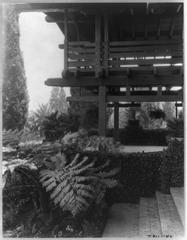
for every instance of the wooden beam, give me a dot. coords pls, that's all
(50, 19)
(146, 42)
(83, 99)
(116, 121)
(124, 105)
(131, 98)
(102, 110)
(136, 81)
(146, 98)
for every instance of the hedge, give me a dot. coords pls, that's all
(139, 136)
(139, 177)
(172, 166)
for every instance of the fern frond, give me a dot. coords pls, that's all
(65, 199)
(80, 179)
(51, 186)
(62, 194)
(80, 164)
(73, 163)
(47, 182)
(58, 189)
(44, 174)
(111, 173)
(82, 201)
(82, 170)
(86, 187)
(106, 164)
(84, 193)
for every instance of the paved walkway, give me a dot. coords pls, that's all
(122, 221)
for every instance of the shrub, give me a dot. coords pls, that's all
(172, 166)
(157, 114)
(56, 126)
(22, 192)
(176, 127)
(149, 137)
(14, 138)
(82, 141)
(28, 209)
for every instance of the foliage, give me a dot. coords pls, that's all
(151, 116)
(39, 116)
(55, 126)
(15, 137)
(172, 165)
(36, 215)
(169, 110)
(21, 193)
(57, 101)
(157, 114)
(15, 95)
(176, 127)
(75, 186)
(11, 137)
(81, 141)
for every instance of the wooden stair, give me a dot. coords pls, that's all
(162, 216)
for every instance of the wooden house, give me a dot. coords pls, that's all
(126, 53)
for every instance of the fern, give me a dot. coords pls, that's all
(75, 186)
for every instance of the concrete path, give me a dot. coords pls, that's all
(123, 221)
(178, 198)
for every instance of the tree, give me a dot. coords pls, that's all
(15, 95)
(58, 101)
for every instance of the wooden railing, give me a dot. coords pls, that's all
(118, 56)
(81, 56)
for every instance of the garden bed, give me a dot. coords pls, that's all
(141, 173)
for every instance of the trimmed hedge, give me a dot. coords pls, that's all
(139, 177)
(139, 136)
(172, 166)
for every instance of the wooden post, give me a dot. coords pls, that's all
(102, 110)
(159, 90)
(66, 40)
(176, 110)
(116, 121)
(106, 44)
(97, 44)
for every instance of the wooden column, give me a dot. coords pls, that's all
(66, 40)
(106, 44)
(102, 110)
(97, 44)
(176, 110)
(116, 121)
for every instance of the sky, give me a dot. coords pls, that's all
(43, 59)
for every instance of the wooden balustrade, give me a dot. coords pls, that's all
(116, 56)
